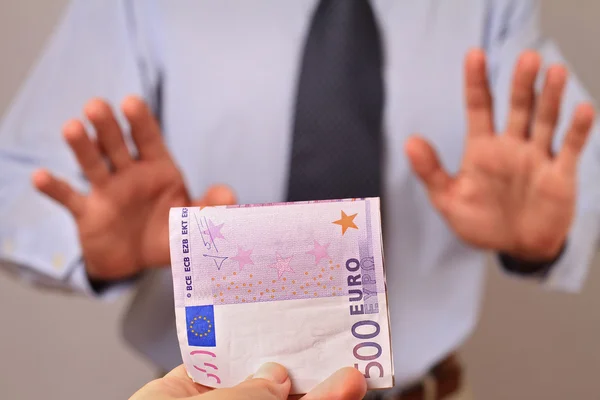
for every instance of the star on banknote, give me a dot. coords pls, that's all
(347, 221)
(243, 257)
(282, 265)
(319, 252)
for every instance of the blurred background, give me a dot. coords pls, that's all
(530, 343)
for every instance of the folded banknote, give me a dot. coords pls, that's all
(301, 284)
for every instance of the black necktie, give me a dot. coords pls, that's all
(337, 137)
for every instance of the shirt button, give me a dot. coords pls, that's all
(58, 261)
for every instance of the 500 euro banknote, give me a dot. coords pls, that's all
(301, 284)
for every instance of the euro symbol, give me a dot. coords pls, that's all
(206, 364)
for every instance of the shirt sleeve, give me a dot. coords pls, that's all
(97, 50)
(514, 26)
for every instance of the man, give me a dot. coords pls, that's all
(305, 100)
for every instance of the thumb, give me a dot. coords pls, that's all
(216, 195)
(345, 384)
(426, 164)
(270, 382)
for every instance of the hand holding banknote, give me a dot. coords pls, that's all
(270, 382)
(127, 208)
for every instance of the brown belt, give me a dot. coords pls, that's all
(443, 380)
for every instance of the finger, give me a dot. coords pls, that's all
(177, 372)
(576, 137)
(220, 195)
(180, 376)
(548, 108)
(144, 129)
(174, 385)
(270, 382)
(477, 93)
(59, 190)
(87, 154)
(216, 195)
(425, 163)
(345, 384)
(108, 133)
(523, 94)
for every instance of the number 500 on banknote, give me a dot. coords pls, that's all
(301, 284)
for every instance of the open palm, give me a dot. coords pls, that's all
(123, 220)
(511, 194)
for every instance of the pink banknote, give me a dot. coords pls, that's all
(301, 284)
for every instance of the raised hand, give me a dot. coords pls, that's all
(123, 220)
(512, 193)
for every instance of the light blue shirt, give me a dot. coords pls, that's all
(227, 72)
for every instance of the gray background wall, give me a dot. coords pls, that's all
(530, 344)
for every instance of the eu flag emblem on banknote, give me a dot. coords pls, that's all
(200, 326)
